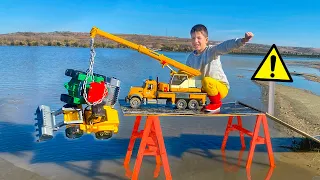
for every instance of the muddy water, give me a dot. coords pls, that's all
(35, 76)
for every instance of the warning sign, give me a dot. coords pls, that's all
(272, 68)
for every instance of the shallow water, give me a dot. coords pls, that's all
(32, 76)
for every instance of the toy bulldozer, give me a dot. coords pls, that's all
(101, 118)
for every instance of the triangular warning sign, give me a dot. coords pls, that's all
(272, 68)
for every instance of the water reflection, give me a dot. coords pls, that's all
(233, 168)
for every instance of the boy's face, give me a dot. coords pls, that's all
(199, 41)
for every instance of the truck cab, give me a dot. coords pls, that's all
(149, 89)
(138, 94)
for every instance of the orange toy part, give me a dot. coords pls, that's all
(96, 91)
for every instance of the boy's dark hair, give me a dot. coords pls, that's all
(199, 28)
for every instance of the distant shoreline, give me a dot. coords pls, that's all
(163, 43)
(282, 55)
(178, 50)
(310, 77)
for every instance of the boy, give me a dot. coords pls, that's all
(206, 58)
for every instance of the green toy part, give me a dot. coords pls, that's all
(74, 86)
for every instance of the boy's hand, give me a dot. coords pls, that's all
(247, 37)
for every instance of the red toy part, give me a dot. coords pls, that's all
(96, 91)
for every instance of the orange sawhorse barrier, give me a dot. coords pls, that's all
(152, 143)
(256, 139)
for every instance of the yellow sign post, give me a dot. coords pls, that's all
(272, 69)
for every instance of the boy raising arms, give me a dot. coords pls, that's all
(206, 58)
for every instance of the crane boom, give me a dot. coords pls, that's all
(165, 61)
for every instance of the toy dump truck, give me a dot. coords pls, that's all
(183, 91)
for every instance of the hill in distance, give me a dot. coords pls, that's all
(164, 43)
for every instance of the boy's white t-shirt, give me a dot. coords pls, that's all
(208, 62)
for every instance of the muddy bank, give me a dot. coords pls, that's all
(310, 77)
(9, 171)
(312, 64)
(301, 109)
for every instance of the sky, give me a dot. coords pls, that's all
(282, 22)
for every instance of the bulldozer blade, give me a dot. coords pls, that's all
(45, 123)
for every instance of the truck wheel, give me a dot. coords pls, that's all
(135, 102)
(181, 104)
(73, 132)
(103, 135)
(193, 104)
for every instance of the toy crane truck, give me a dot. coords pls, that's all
(183, 90)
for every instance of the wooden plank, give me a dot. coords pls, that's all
(227, 109)
(314, 138)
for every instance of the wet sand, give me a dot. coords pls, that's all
(312, 64)
(11, 172)
(301, 109)
(310, 77)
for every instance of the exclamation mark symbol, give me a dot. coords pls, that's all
(273, 64)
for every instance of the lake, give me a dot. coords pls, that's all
(32, 76)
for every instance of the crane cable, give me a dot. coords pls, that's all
(90, 76)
